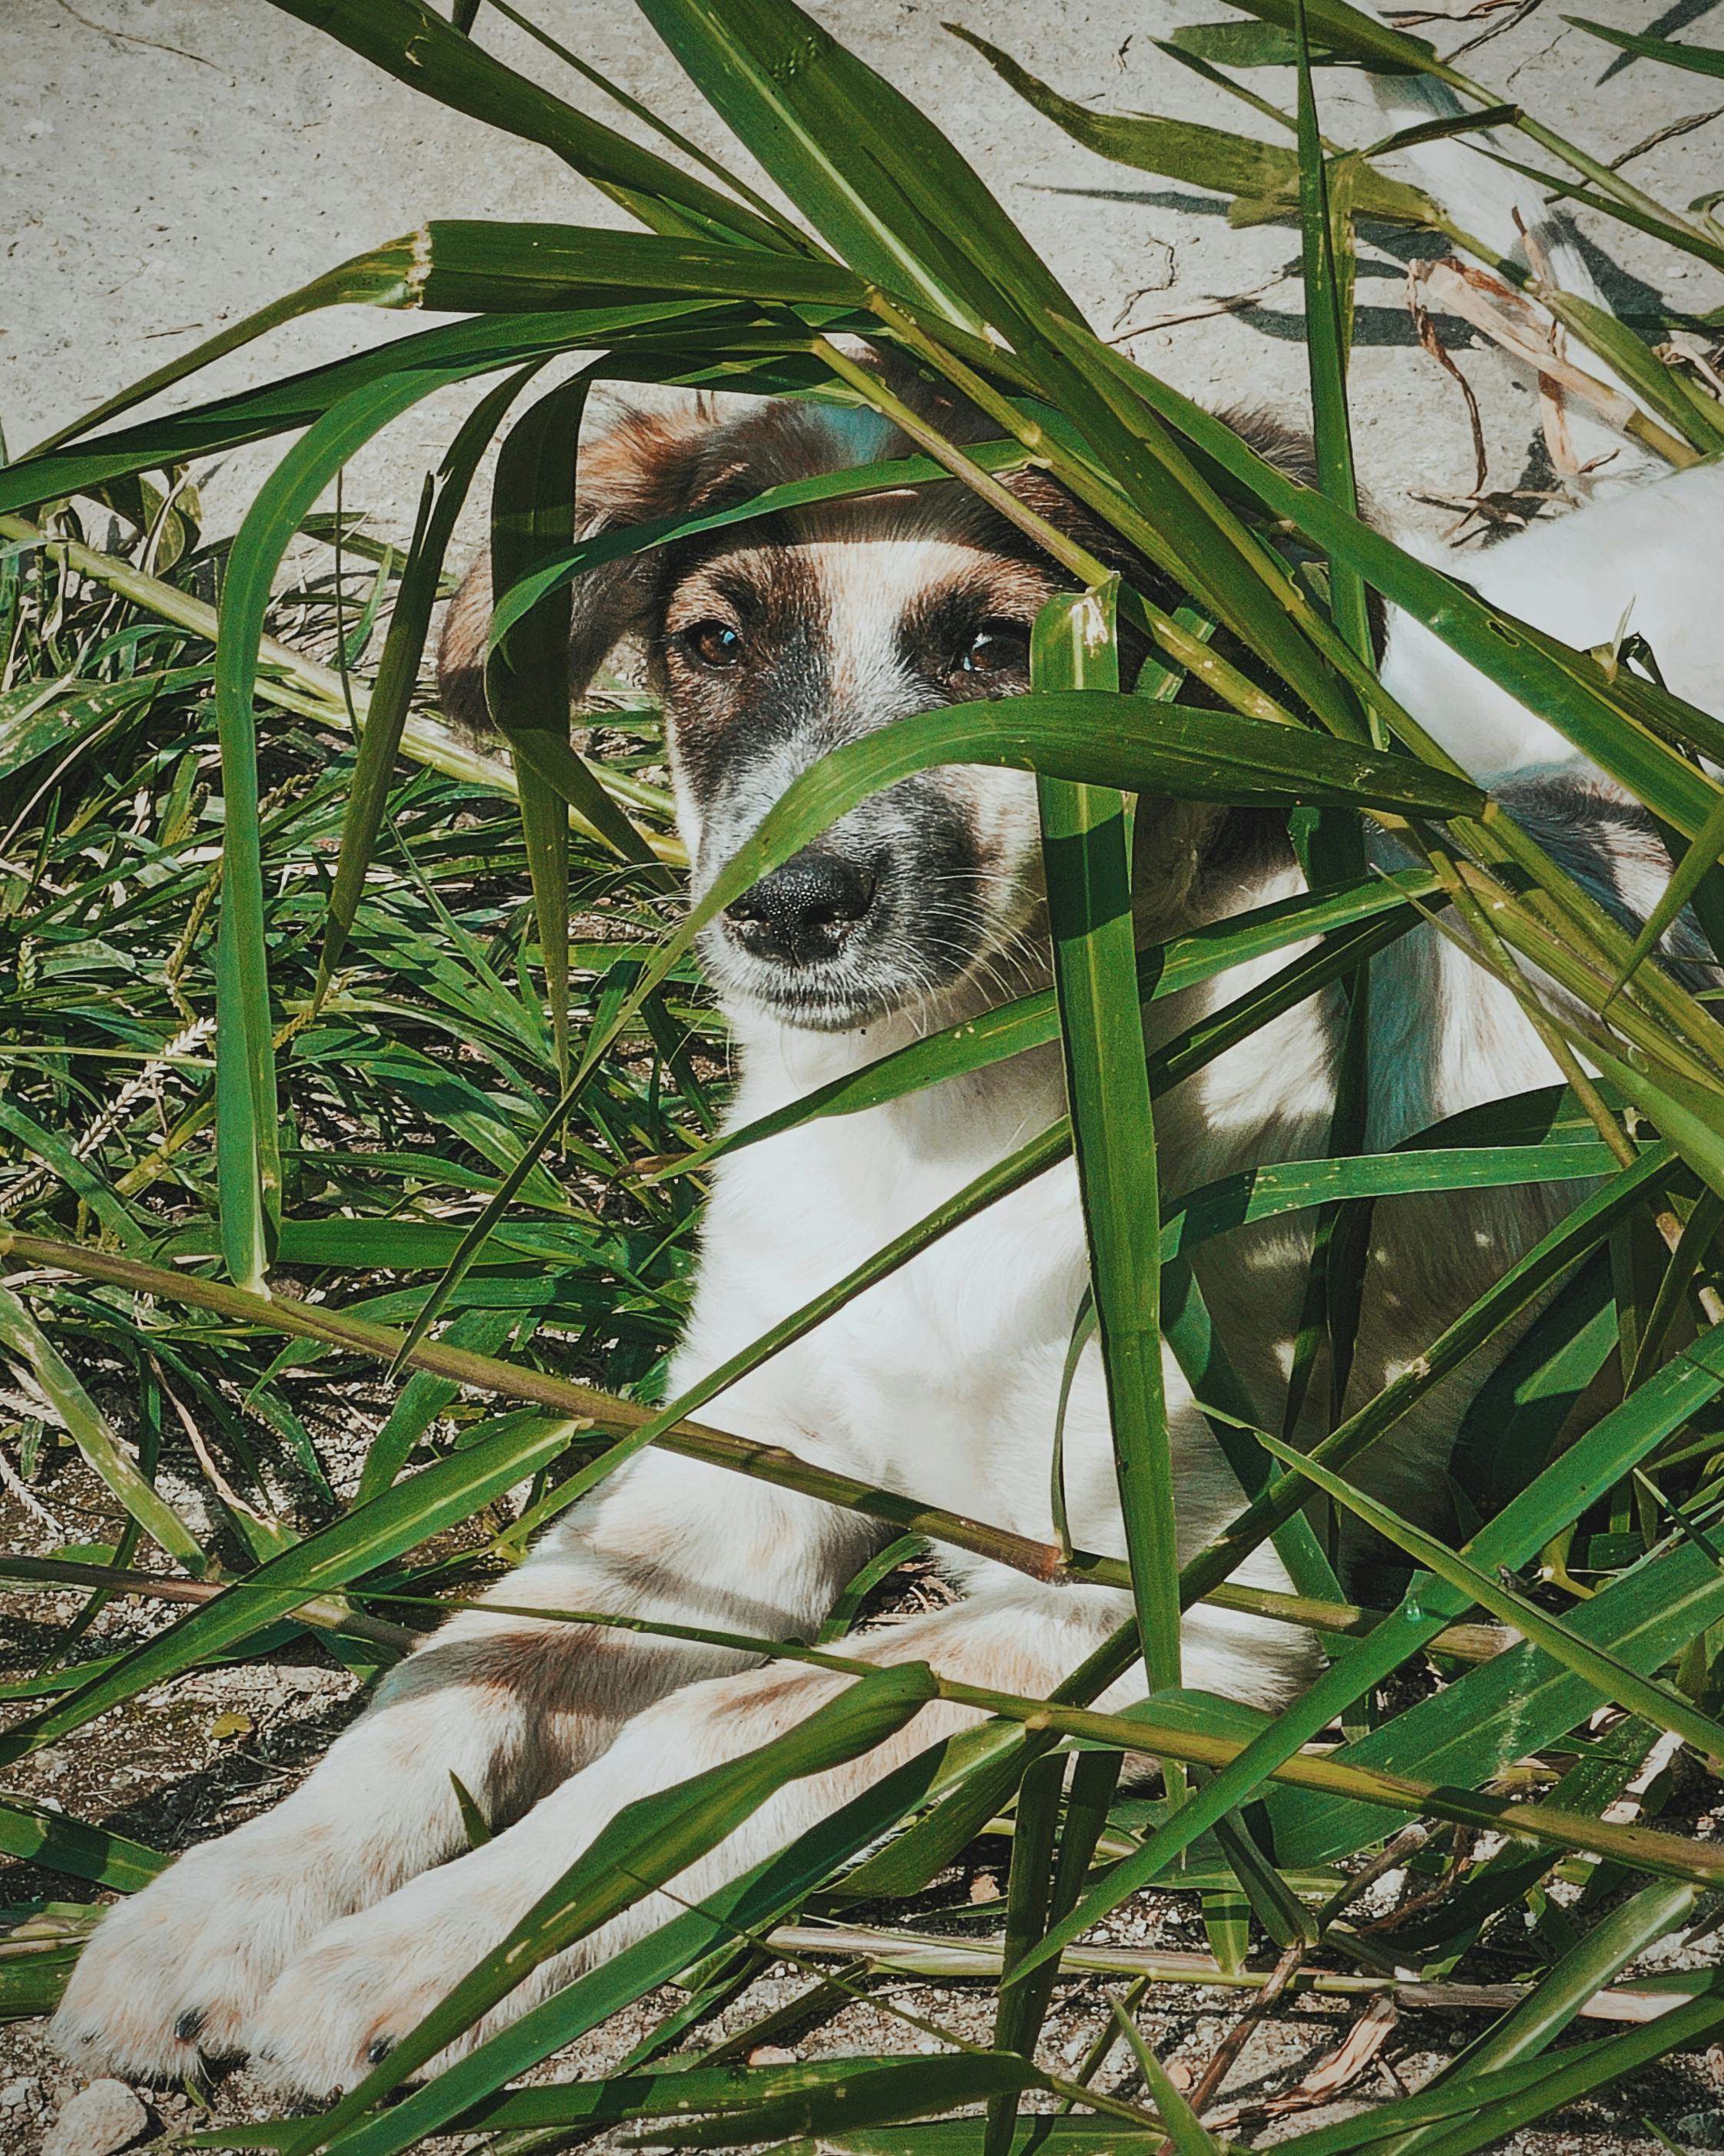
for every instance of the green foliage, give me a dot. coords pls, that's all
(354, 1072)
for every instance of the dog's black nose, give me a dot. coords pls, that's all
(805, 912)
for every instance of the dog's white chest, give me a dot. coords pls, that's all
(953, 1355)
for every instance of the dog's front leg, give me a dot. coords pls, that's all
(369, 1979)
(507, 1705)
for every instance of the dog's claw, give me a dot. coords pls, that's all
(190, 2024)
(379, 2049)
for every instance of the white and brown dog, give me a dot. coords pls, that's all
(314, 1937)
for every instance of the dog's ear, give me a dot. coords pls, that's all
(645, 465)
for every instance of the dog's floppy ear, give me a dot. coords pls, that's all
(643, 466)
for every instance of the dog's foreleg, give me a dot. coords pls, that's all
(369, 1979)
(507, 1705)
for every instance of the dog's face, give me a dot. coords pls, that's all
(773, 642)
(779, 647)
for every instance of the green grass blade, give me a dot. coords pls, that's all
(1588, 1968)
(1211, 157)
(398, 667)
(1086, 862)
(1029, 1884)
(247, 1111)
(1022, 2011)
(1328, 315)
(1586, 2067)
(1599, 1668)
(1186, 2133)
(487, 345)
(745, 1907)
(33, 1835)
(1567, 687)
(1518, 1703)
(1701, 855)
(867, 167)
(527, 680)
(877, 2096)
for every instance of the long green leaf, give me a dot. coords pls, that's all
(1205, 156)
(744, 1906)
(33, 1835)
(1086, 859)
(867, 167)
(398, 667)
(1599, 1668)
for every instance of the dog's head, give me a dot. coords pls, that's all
(774, 641)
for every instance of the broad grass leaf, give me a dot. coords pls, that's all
(398, 666)
(1530, 2091)
(726, 2091)
(1568, 688)
(868, 169)
(1516, 1704)
(453, 352)
(743, 1907)
(880, 2096)
(1626, 1687)
(1261, 173)
(1588, 1968)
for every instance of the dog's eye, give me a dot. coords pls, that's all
(712, 643)
(998, 647)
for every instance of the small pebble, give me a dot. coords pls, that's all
(984, 1888)
(97, 2121)
(770, 2055)
(13, 2095)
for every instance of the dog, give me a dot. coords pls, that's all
(314, 1937)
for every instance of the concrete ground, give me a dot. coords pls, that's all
(175, 164)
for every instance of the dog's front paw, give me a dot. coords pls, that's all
(171, 1976)
(343, 2005)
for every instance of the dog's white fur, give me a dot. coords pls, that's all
(333, 1924)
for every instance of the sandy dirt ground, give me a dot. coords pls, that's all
(170, 165)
